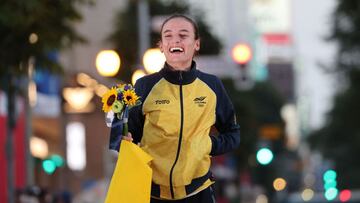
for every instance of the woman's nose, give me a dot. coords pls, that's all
(177, 39)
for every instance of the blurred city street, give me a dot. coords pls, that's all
(290, 67)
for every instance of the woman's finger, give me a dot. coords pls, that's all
(128, 137)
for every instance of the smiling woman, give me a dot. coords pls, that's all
(179, 106)
(179, 41)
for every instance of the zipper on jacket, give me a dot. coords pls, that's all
(180, 136)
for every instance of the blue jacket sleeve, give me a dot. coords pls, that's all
(136, 117)
(228, 138)
(115, 134)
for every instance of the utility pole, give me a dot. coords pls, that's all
(28, 124)
(143, 16)
(10, 137)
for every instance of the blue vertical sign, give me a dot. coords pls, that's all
(48, 87)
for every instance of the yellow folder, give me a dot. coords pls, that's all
(131, 181)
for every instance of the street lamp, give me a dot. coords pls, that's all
(78, 99)
(108, 63)
(39, 147)
(153, 60)
(87, 81)
(136, 75)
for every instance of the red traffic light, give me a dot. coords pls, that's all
(242, 53)
(345, 195)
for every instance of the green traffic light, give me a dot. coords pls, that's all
(330, 184)
(264, 156)
(49, 166)
(331, 194)
(329, 175)
(57, 159)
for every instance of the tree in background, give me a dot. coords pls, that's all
(31, 29)
(339, 139)
(36, 28)
(125, 38)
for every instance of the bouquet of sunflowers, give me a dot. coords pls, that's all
(116, 103)
(132, 161)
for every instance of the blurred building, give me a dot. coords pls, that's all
(19, 146)
(97, 23)
(77, 134)
(89, 180)
(290, 51)
(281, 34)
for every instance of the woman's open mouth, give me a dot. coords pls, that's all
(176, 50)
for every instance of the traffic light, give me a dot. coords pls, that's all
(330, 184)
(50, 164)
(345, 195)
(242, 54)
(264, 156)
(57, 159)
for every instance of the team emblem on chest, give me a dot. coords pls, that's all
(200, 101)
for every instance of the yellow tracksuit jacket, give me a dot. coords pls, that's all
(173, 126)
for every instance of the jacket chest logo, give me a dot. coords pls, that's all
(162, 101)
(200, 101)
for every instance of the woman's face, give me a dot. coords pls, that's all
(178, 43)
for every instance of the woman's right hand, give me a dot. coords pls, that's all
(128, 137)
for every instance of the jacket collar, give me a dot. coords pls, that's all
(179, 77)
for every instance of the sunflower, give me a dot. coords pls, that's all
(108, 99)
(130, 98)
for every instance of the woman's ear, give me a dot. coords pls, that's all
(197, 45)
(160, 46)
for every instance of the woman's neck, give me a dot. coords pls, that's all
(180, 67)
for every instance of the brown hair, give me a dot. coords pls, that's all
(193, 23)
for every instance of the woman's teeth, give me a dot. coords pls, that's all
(176, 49)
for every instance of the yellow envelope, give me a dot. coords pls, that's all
(131, 181)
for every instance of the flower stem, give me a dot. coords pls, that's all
(125, 120)
(125, 129)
